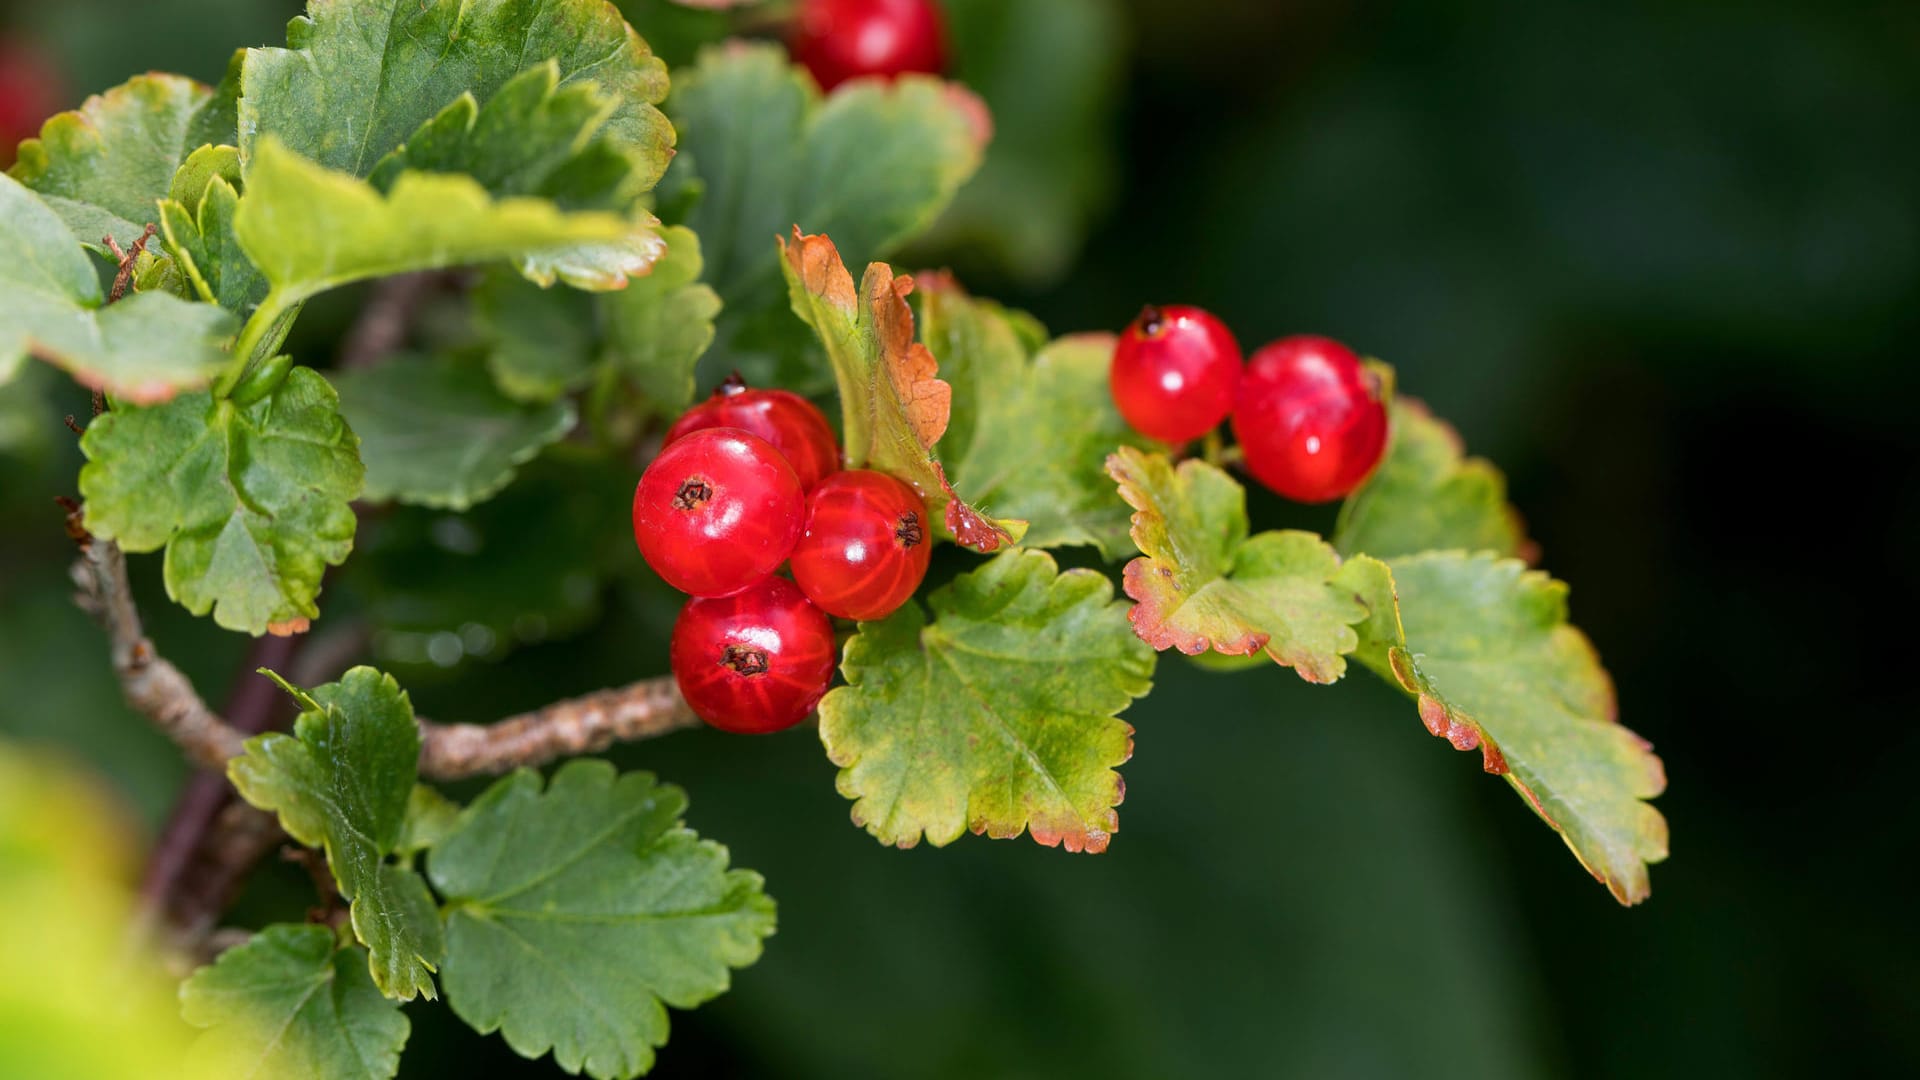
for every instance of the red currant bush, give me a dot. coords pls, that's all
(866, 545)
(717, 511)
(1309, 418)
(790, 422)
(755, 662)
(1174, 372)
(839, 40)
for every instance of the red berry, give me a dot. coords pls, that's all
(790, 422)
(1309, 418)
(30, 91)
(717, 511)
(866, 545)
(754, 662)
(1174, 372)
(839, 40)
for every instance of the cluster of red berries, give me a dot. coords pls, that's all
(748, 480)
(839, 40)
(1306, 412)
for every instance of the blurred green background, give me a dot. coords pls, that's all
(1661, 261)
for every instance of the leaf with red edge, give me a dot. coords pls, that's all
(998, 715)
(1204, 584)
(1483, 645)
(894, 405)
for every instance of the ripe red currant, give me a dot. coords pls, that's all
(1174, 372)
(754, 662)
(1309, 418)
(865, 547)
(717, 511)
(790, 422)
(839, 40)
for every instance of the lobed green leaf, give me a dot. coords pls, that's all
(435, 431)
(871, 165)
(343, 781)
(143, 349)
(1202, 583)
(252, 502)
(358, 78)
(310, 229)
(1427, 495)
(1484, 646)
(998, 715)
(287, 1003)
(578, 913)
(104, 166)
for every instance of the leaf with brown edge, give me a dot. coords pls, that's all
(998, 715)
(1203, 584)
(894, 405)
(1427, 495)
(1484, 646)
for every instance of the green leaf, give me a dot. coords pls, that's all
(998, 716)
(435, 431)
(103, 166)
(1484, 646)
(1202, 583)
(871, 165)
(534, 138)
(526, 566)
(894, 406)
(1428, 495)
(541, 343)
(200, 235)
(576, 915)
(310, 229)
(545, 343)
(660, 324)
(1007, 444)
(430, 817)
(287, 1003)
(342, 781)
(251, 502)
(359, 77)
(143, 349)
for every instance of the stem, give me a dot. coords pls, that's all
(1212, 448)
(252, 706)
(259, 329)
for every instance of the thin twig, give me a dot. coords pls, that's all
(159, 691)
(152, 685)
(582, 725)
(123, 276)
(253, 705)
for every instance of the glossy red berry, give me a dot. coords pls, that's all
(790, 422)
(1174, 372)
(866, 545)
(1309, 418)
(839, 40)
(717, 511)
(754, 662)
